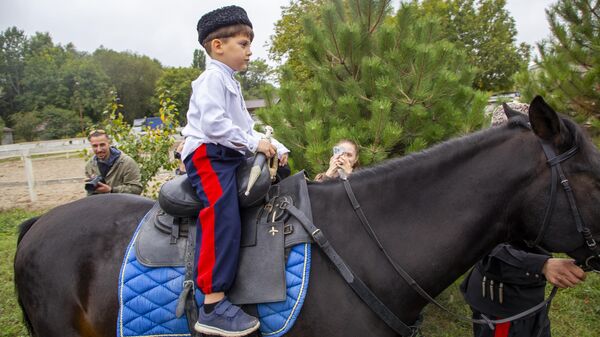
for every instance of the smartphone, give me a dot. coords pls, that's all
(338, 150)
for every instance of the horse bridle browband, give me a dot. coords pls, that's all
(559, 175)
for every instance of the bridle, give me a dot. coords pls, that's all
(558, 175)
(385, 314)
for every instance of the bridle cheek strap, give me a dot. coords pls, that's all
(558, 174)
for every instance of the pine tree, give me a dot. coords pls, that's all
(567, 72)
(390, 83)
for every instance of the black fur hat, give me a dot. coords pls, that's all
(219, 18)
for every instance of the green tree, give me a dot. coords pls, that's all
(254, 80)
(151, 149)
(12, 64)
(88, 86)
(567, 72)
(62, 77)
(134, 78)
(286, 45)
(199, 61)
(43, 75)
(393, 85)
(486, 32)
(178, 83)
(61, 123)
(26, 125)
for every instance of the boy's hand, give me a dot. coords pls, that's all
(284, 159)
(264, 146)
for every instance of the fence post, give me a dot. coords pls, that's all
(29, 175)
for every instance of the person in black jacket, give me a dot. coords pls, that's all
(510, 280)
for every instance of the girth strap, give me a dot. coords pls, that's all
(187, 301)
(353, 281)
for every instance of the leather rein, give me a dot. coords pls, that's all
(384, 313)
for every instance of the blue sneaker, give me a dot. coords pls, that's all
(226, 320)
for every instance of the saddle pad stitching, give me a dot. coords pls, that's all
(302, 288)
(128, 260)
(269, 311)
(297, 301)
(125, 261)
(131, 324)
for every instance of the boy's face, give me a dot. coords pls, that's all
(234, 51)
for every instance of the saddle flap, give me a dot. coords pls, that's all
(295, 187)
(261, 271)
(154, 247)
(249, 226)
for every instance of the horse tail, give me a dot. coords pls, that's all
(23, 228)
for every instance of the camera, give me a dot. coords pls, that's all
(93, 183)
(338, 150)
(176, 154)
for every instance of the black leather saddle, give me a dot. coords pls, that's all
(267, 230)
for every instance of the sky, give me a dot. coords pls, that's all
(166, 30)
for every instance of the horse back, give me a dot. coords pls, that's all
(67, 252)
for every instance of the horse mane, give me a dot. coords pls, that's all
(442, 152)
(581, 139)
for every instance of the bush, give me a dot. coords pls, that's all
(26, 125)
(152, 147)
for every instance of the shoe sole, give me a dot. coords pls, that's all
(211, 330)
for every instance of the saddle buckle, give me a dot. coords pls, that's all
(288, 229)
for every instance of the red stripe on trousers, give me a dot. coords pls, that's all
(502, 329)
(212, 189)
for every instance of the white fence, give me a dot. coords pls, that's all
(26, 150)
(43, 147)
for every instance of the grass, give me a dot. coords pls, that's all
(575, 312)
(10, 314)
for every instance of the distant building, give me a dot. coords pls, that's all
(7, 136)
(253, 104)
(141, 123)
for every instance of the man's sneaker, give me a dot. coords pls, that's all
(226, 320)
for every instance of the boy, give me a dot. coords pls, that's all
(218, 135)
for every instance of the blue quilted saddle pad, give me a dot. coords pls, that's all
(148, 297)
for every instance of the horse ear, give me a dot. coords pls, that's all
(509, 112)
(545, 121)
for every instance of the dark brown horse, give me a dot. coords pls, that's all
(436, 212)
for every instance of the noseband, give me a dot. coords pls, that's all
(559, 175)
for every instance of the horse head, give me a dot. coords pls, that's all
(564, 190)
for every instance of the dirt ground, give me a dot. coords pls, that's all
(58, 180)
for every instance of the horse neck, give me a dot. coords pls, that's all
(440, 211)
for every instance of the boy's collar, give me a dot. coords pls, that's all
(220, 65)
